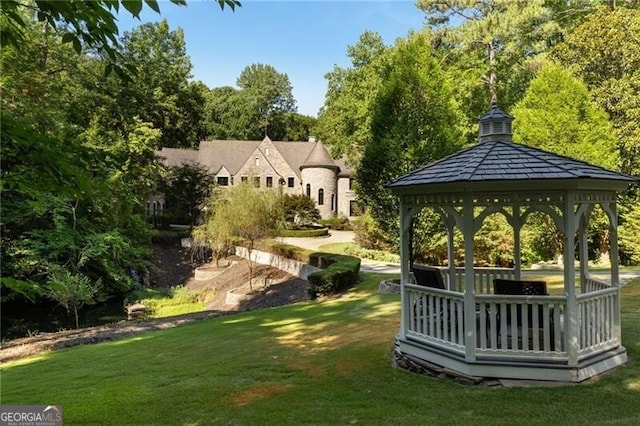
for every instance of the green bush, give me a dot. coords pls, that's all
(338, 274)
(300, 233)
(339, 223)
(168, 236)
(377, 255)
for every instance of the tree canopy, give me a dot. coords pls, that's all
(263, 105)
(415, 121)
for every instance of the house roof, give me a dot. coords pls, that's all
(233, 154)
(319, 157)
(177, 156)
(504, 162)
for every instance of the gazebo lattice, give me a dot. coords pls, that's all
(468, 328)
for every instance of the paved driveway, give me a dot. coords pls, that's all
(340, 237)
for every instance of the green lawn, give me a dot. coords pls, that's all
(322, 362)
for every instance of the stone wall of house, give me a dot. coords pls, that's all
(345, 196)
(267, 162)
(321, 178)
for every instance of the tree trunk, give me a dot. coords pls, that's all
(492, 72)
(75, 311)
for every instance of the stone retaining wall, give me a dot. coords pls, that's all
(291, 266)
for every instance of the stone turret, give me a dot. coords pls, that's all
(319, 179)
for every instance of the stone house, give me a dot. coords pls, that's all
(295, 167)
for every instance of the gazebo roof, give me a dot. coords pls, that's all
(511, 164)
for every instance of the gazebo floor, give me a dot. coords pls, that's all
(435, 362)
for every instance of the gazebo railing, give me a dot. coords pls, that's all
(482, 277)
(435, 317)
(590, 285)
(520, 326)
(513, 327)
(597, 316)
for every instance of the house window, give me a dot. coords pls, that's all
(223, 180)
(256, 181)
(266, 150)
(244, 179)
(269, 181)
(333, 202)
(320, 197)
(257, 161)
(290, 182)
(308, 190)
(350, 183)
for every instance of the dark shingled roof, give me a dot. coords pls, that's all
(233, 154)
(496, 113)
(504, 161)
(319, 157)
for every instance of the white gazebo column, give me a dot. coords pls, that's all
(405, 223)
(571, 313)
(468, 231)
(583, 249)
(516, 225)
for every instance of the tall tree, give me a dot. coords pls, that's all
(186, 189)
(557, 114)
(415, 121)
(269, 95)
(159, 92)
(91, 25)
(344, 123)
(605, 53)
(504, 29)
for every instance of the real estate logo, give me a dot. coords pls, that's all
(30, 415)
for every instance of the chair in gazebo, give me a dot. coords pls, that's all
(480, 332)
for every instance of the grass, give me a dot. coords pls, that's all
(173, 301)
(324, 362)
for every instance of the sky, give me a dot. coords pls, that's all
(302, 38)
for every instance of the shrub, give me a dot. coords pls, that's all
(339, 223)
(339, 273)
(299, 209)
(377, 255)
(167, 237)
(300, 233)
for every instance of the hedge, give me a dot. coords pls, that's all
(338, 273)
(300, 233)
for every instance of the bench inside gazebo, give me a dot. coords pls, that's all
(490, 322)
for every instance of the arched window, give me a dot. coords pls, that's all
(320, 196)
(308, 190)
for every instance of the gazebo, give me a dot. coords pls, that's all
(469, 324)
